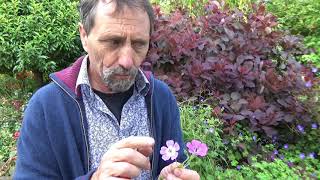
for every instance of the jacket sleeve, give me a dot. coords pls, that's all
(35, 156)
(36, 159)
(87, 176)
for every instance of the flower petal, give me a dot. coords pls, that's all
(196, 143)
(170, 143)
(191, 148)
(163, 150)
(165, 157)
(202, 150)
(176, 146)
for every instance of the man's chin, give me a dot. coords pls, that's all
(118, 88)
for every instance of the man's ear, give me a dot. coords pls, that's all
(83, 37)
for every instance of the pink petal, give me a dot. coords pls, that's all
(203, 150)
(170, 143)
(191, 148)
(176, 146)
(165, 157)
(189, 145)
(196, 143)
(163, 150)
(173, 157)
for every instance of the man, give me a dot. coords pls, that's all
(103, 117)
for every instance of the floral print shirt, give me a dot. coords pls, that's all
(103, 128)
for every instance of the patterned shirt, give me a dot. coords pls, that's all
(103, 127)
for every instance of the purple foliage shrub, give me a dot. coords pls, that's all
(241, 61)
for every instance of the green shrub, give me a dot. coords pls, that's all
(8, 146)
(297, 16)
(194, 7)
(197, 7)
(312, 42)
(301, 18)
(35, 35)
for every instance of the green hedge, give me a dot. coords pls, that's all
(38, 35)
(300, 17)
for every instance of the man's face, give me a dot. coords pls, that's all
(116, 45)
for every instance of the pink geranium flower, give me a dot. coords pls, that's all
(170, 151)
(197, 148)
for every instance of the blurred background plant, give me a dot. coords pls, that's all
(300, 18)
(38, 36)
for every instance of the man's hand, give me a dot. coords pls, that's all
(125, 159)
(174, 172)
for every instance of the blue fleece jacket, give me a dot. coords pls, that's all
(53, 142)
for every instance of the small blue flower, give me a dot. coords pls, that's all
(314, 126)
(302, 156)
(225, 141)
(312, 155)
(300, 128)
(254, 138)
(272, 157)
(211, 130)
(281, 157)
(308, 84)
(290, 164)
(240, 134)
(274, 139)
(314, 69)
(238, 167)
(286, 146)
(275, 152)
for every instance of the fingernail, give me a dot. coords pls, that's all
(177, 172)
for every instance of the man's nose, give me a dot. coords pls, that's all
(126, 58)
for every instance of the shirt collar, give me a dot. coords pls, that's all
(83, 77)
(142, 84)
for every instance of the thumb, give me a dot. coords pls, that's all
(186, 174)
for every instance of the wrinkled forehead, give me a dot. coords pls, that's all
(107, 9)
(131, 19)
(110, 8)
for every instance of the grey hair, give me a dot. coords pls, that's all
(87, 10)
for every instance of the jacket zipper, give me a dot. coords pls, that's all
(82, 123)
(153, 132)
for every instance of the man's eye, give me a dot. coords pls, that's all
(139, 45)
(114, 42)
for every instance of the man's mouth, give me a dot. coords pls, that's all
(122, 76)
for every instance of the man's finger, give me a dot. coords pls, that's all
(169, 170)
(116, 178)
(130, 156)
(186, 174)
(172, 177)
(120, 170)
(147, 151)
(134, 142)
